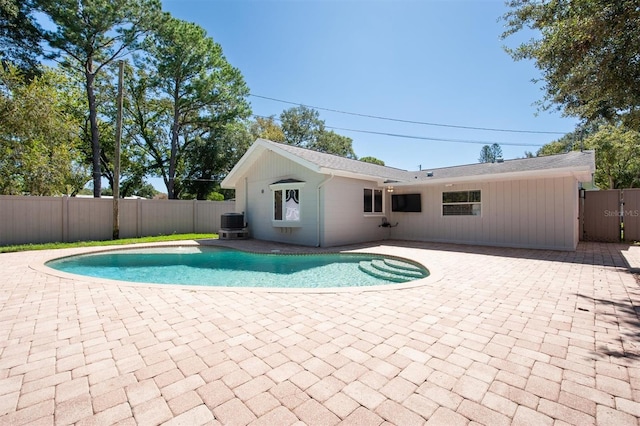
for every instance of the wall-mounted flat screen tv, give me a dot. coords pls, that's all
(406, 203)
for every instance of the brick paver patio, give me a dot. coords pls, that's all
(497, 336)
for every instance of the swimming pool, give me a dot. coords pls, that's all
(223, 267)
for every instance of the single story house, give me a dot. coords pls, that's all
(294, 195)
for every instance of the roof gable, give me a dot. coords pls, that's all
(319, 162)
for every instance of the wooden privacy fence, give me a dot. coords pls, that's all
(25, 220)
(610, 216)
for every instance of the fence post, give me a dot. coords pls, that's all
(138, 218)
(65, 219)
(195, 215)
(581, 194)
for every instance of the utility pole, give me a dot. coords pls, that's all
(116, 158)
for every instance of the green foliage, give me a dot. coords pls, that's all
(215, 196)
(39, 139)
(303, 127)
(617, 157)
(333, 143)
(617, 153)
(185, 96)
(133, 158)
(208, 160)
(267, 128)
(587, 52)
(489, 154)
(90, 34)
(20, 36)
(372, 160)
(571, 141)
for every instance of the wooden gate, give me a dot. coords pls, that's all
(631, 214)
(610, 216)
(600, 215)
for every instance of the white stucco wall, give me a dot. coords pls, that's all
(537, 213)
(344, 219)
(531, 213)
(254, 198)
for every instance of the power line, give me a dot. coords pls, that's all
(426, 138)
(399, 120)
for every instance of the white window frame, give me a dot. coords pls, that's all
(373, 201)
(284, 187)
(475, 207)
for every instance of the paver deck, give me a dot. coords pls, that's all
(495, 336)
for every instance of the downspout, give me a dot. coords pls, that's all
(246, 200)
(318, 207)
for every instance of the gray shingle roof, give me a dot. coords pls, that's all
(578, 160)
(338, 163)
(581, 161)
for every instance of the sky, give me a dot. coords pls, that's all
(438, 62)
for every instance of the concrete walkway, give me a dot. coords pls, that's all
(495, 337)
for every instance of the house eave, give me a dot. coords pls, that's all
(351, 175)
(252, 155)
(582, 174)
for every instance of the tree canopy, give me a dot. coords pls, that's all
(267, 128)
(186, 96)
(490, 153)
(372, 160)
(617, 152)
(90, 34)
(39, 138)
(587, 52)
(20, 36)
(302, 126)
(186, 114)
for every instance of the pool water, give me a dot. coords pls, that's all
(215, 266)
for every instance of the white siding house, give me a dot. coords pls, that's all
(295, 195)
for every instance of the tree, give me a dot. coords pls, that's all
(617, 152)
(617, 157)
(20, 36)
(303, 127)
(39, 138)
(587, 52)
(333, 143)
(571, 141)
(372, 160)
(89, 35)
(489, 154)
(207, 161)
(190, 94)
(267, 128)
(134, 164)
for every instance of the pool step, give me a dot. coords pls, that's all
(398, 267)
(392, 270)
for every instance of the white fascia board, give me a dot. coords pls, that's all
(342, 173)
(582, 174)
(252, 155)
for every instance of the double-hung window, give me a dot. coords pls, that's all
(286, 202)
(373, 203)
(461, 203)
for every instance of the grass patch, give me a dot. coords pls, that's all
(160, 238)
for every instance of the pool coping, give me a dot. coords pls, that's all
(415, 255)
